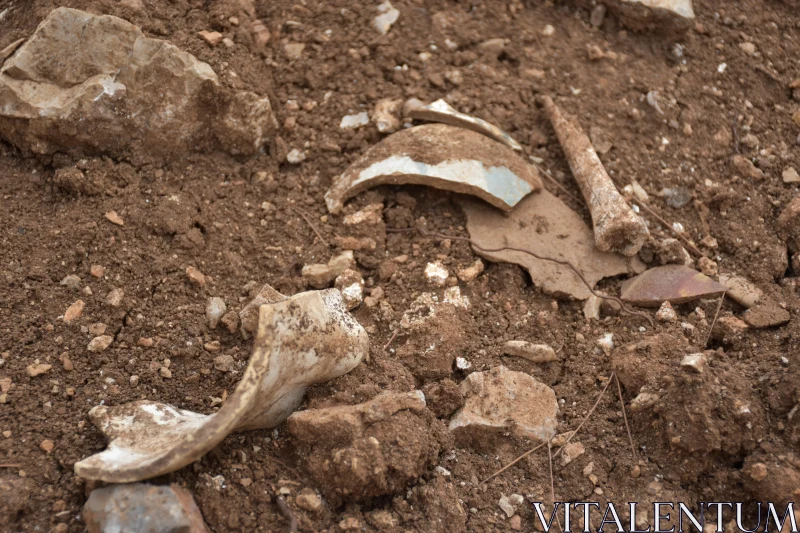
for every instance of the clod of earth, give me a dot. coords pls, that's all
(440, 156)
(500, 402)
(441, 111)
(546, 226)
(142, 507)
(303, 340)
(617, 228)
(370, 449)
(135, 97)
(670, 283)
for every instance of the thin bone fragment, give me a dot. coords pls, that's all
(616, 227)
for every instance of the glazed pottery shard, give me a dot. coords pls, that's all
(444, 157)
(670, 283)
(546, 226)
(303, 340)
(441, 111)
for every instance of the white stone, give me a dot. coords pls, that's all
(388, 15)
(537, 353)
(695, 361)
(215, 308)
(606, 343)
(436, 273)
(666, 313)
(351, 122)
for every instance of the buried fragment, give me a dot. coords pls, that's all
(544, 225)
(303, 340)
(617, 228)
(675, 284)
(441, 111)
(441, 156)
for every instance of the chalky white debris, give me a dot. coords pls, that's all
(306, 339)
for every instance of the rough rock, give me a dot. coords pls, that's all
(74, 311)
(215, 310)
(666, 313)
(436, 274)
(501, 401)
(746, 168)
(537, 353)
(386, 113)
(309, 500)
(367, 450)
(320, 276)
(471, 272)
(135, 97)
(741, 290)
(665, 15)
(114, 298)
(142, 508)
(99, 344)
(351, 284)
(695, 362)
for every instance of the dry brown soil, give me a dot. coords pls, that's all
(206, 212)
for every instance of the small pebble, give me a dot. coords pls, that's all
(98, 344)
(114, 298)
(165, 372)
(71, 282)
(114, 218)
(74, 311)
(790, 175)
(224, 363)
(666, 313)
(211, 37)
(436, 274)
(37, 369)
(308, 500)
(195, 276)
(134, 380)
(97, 271)
(695, 362)
(47, 445)
(145, 342)
(215, 310)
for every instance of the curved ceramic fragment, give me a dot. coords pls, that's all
(441, 156)
(303, 340)
(669, 283)
(441, 111)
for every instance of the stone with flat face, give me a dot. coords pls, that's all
(670, 283)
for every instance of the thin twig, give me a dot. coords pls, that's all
(623, 306)
(625, 416)
(658, 217)
(287, 514)
(512, 463)
(552, 484)
(311, 224)
(735, 133)
(589, 414)
(10, 465)
(711, 330)
(394, 336)
(555, 182)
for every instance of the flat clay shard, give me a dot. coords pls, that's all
(547, 227)
(441, 111)
(441, 156)
(303, 340)
(89, 83)
(675, 284)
